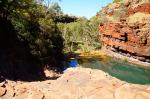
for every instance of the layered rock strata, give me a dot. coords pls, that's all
(128, 36)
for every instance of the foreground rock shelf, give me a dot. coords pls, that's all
(78, 83)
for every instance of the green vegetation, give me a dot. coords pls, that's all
(113, 12)
(115, 1)
(119, 13)
(125, 60)
(133, 1)
(138, 17)
(81, 35)
(29, 38)
(103, 18)
(35, 33)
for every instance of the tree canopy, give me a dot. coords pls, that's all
(33, 32)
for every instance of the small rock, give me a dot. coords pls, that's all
(50, 73)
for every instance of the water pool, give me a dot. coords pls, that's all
(119, 69)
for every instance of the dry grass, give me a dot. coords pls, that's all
(139, 17)
(111, 19)
(92, 54)
(140, 2)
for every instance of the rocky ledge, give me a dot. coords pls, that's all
(76, 83)
(130, 34)
(127, 39)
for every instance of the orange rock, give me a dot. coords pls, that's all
(126, 37)
(144, 8)
(2, 91)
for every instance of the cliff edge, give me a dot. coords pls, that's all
(125, 28)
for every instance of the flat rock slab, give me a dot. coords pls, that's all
(76, 83)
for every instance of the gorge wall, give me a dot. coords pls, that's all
(130, 34)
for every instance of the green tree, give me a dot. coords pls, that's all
(81, 35)
(28, 32)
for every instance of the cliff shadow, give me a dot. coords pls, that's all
(16, 61)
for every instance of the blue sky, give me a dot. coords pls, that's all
(87, 8)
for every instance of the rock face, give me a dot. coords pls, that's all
(144, 8)
(131, 34)
(76, 83)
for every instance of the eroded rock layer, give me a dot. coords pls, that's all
(76, 83)
(144, 8)
(131, 34)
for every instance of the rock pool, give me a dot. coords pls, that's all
(117, 68)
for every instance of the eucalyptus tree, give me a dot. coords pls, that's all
(34, 24)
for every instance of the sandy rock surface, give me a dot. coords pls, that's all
(77, 83)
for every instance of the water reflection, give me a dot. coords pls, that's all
(119, 69)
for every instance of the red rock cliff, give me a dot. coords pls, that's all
(129, 37)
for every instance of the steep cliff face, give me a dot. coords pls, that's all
(128, 34)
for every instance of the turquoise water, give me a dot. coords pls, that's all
(119, 69)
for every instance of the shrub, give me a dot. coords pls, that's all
(102, 19)
(120, 12)
(116, 1)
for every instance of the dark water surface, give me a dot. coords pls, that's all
(119, 69)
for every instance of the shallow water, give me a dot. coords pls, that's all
(119, 69)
